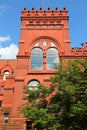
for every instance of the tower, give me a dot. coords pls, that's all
(44, 38)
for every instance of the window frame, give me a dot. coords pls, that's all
(45, 44)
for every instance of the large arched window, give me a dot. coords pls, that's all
(52, 58)
(36, 59)
(33, 85)
(44, 55)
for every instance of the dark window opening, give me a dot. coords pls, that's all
(28, 125)
(6, 117)
(0, 104)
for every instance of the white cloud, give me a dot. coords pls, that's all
(4, 39)
(3, 8)
(9, 52)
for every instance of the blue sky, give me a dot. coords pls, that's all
(10, 12)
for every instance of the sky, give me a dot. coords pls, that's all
(10, 23)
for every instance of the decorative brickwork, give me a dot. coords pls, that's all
(44, 39)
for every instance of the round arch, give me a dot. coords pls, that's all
(57, 43)
(6, 73)
(44, 61)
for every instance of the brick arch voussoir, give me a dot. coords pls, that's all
(57, 43)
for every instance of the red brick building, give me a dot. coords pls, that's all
(44, 39)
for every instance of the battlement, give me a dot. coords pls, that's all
(42, 12)
(79, 51)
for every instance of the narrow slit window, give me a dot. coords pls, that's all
(0, 104)
(2, 88)
(6, 73)
(6, 117)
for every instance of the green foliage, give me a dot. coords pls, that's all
(67, 109)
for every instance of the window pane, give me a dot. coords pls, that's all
(36, 63)
(33, 83)
(51, 62)
(52, 58)
(36, 59)
(52, 52)
(37, 52)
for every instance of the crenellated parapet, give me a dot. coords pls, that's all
(79, 52)
(42, 12)
(44, 18)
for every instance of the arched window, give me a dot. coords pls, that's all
(33, 85)
(42, 57)
(36, 59)
(6, 73)
(52, 58)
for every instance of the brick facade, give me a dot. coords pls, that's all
(41, 33)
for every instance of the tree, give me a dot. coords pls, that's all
(63, 105)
